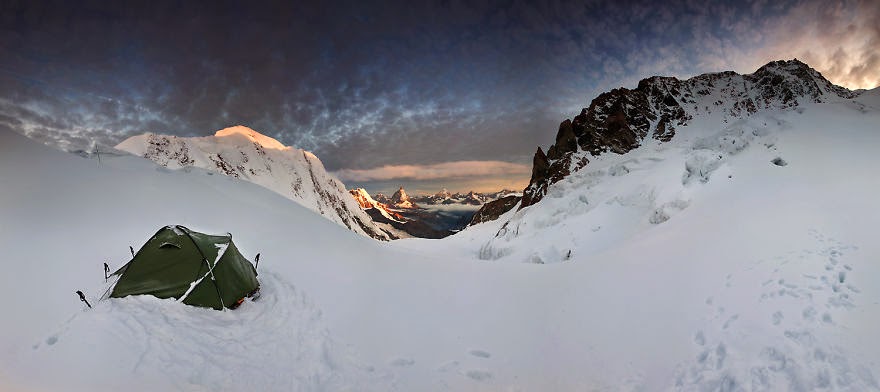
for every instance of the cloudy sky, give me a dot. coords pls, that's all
(440, 94)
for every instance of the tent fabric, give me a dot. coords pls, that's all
(195, 268)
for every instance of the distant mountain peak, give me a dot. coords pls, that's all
(401, 200)
(367, 202)
(252, 135)
(787, 65)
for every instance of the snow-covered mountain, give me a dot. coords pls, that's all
(409, 221)
(426, 216)
(401, 200)
(367, 202)
(471, 198)
(739, 250)
(697, 126)
(736, 256)
(622, 119)
(246, 154)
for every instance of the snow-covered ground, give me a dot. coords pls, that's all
(685, 271)
(701, 264)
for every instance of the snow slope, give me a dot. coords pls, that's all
(244, 153)
(760, 281)
(62, 216)
(762, 274)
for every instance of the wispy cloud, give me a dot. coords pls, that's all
(841, 39)
(405, 84)
(439, 171)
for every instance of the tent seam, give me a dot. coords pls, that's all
(210, 268)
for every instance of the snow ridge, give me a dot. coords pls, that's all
(367, 202)
(246, 154)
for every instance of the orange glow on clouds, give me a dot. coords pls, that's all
(839, 39)
(252, 135)
(437, 171)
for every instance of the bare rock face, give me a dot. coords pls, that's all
(566, 141)
(621, 119)
(544, 173)
(494, 209)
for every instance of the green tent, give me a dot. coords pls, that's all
(197, 269)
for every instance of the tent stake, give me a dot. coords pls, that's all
(257, 259)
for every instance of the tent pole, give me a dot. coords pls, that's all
(210, 268)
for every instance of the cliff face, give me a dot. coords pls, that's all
(621, 119)
(494, 209)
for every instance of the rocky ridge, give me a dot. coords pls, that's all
(621, 119)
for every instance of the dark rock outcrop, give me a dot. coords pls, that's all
(494, 209)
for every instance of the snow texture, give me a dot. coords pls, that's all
(746, 276)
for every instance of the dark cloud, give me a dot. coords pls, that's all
(366, 84)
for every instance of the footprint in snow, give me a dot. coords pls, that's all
(809, 313)
(699, 338)
(447, 366)
(777, 317)
(401, 362)
(730, 321)
(480, 353)
(479, 375)
(712, 358)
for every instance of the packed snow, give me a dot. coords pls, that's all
(697, 264)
